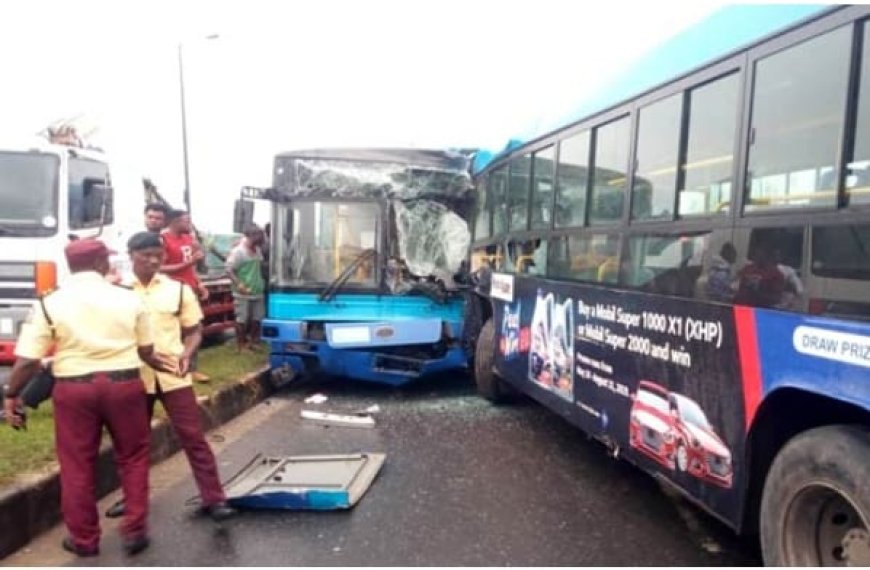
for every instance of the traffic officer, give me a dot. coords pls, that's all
(175, 320)
(99, 332)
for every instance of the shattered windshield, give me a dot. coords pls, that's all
(333, 199)
(432, 240)
(321, 239)
(28, 191)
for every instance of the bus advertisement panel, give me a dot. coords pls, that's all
(657, 378)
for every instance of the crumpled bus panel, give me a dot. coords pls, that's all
(304, 482)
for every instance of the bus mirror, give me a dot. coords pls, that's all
(243, 215)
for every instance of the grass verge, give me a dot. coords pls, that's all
(32, 451)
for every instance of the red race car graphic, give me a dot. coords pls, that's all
(672, 430)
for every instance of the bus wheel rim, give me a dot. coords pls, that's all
(818, 521)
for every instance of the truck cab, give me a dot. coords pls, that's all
(52, 191)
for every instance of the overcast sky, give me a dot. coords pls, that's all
(303, 74)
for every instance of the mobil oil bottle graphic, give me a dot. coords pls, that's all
(562, 348)
(540, 360)
(510, 330)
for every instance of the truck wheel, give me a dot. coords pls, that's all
(488, 384)
(816, 502)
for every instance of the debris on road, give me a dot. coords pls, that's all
(330, 419)
(304, 482)
(315, 399)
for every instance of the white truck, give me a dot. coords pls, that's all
(51, 190)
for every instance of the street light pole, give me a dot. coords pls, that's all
(184, 130)
(184, 122)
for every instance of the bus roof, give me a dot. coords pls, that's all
(375, 173)
(439, 159)
(721, 35)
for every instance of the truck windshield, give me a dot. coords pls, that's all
(28, 192)
(320, 239)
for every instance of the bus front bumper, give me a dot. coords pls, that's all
(387, 352)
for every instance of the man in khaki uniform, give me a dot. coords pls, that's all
(175, 320)
(99, 332)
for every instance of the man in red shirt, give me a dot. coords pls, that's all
(182, 252)
(182, 255)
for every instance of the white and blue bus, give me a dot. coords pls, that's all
(369, 249)
(684, 274)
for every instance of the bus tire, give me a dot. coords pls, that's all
(489, 385)
(815, 507)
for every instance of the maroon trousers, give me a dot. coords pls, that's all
(184, 416)
(81, 409)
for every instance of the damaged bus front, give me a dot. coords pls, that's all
(368, 265)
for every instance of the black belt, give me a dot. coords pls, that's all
(113, 375)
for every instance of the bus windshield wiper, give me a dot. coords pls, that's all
(343, 277)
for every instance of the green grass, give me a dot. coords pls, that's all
(27, 451)
(32, 451)
(226, 365)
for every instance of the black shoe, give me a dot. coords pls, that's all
(218, 511)
(116, 510)
(136, 545)
(70, 546)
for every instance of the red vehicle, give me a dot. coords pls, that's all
(673, 430)
(651, 427)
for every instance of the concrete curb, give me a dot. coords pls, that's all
(32, 506)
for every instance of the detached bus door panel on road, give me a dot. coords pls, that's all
(658, 376)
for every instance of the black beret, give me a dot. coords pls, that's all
(174, 214)
(144, 240)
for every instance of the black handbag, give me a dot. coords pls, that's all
(41, 384)
(39, 388)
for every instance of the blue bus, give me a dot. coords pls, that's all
(684, 274)
(368, 263)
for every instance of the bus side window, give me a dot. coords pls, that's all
(609, 176)
(498, 198)
(584, 257)
(542, 188)
(481, 223)
(500, 261)
(798, 106)
(528, 257)
(837, 283)
(665, 264)
(769, 268)
(518, 193)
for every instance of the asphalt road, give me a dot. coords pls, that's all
(464, 483)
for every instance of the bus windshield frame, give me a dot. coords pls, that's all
(424, 202)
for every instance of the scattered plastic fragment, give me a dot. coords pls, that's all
(316, 399)
(329, 419)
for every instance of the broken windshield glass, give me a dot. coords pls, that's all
(376, 174)
(432, 239)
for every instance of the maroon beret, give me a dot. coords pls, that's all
(84, 251)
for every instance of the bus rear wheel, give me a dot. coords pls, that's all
(489, 385)
(816, 503)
